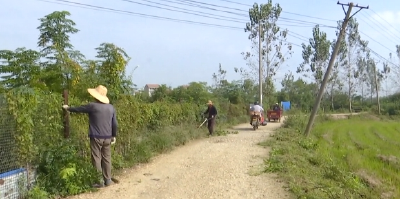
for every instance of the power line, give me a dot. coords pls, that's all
(235, 3)
(204, 7)
(236, 20)
(376, 41)
(385, 20)
(93, 7)
(292, 13)
(100, 8)
(191, 10)
(185, 2)
(213, 5)
(381, 26)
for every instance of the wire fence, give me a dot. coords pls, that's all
(12, 176)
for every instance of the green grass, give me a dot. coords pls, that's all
(349, 158)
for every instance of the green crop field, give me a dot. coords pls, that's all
(348, 158)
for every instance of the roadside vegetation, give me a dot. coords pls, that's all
(354, 157)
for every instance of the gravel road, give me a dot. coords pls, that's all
(217, 167)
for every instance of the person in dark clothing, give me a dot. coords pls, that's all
(212, 112)
(276, 107)
(102, 131)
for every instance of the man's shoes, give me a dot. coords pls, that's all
(108, 182)
(98, 186)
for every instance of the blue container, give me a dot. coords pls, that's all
(286, 105)
(11, 179)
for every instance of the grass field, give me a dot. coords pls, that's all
(348, 158)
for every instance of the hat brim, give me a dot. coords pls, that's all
(98, 96)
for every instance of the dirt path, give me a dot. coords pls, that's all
(217, 167)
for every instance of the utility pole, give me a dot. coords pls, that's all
(267, 62)
(331, 62)
(260, 72)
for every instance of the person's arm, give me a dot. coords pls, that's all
(114, 125)
(81, 109)
(207, 111)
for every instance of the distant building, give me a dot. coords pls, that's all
(137, 92)
(150, 88)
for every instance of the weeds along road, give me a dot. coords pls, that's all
(217, 167)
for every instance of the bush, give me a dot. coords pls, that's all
(63, 165)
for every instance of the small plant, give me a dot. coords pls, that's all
(37, 193)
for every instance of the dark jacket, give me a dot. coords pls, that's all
(212, 111)
(102, 119)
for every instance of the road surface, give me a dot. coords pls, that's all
(218, 167)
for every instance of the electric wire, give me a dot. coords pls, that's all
(236, 20)
(191, 10)
(182, 2)
(292, 13)
(391, 25)
(100, 8)
(387, 33)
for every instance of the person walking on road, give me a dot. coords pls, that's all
(102, 131)
(212, 113)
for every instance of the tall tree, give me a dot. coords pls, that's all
(316, 56)
(54, 41)
(287, 86)
(375, 79)
(385, 75)
(111, 69)
(395, 65)
(274, 48)
(334, 81)
(354, 49)
(21, 68)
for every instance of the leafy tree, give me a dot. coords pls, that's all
(275, 50)
(395, 67)
(375, 78)
(249, 90)
(54, 41)
(334, 82)
(21, 68)
(287, 87)
(316, 55)
(111, 69)
(162, 93)
(354, 49)
(385, 75)
(219, 77)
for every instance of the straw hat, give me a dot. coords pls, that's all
(100, 93)
(209, 102)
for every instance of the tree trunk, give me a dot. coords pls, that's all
(332, 104)
(349, 76)
(372, 92)
(377, 92)
(362, 94)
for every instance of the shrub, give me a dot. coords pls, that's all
(63, 165)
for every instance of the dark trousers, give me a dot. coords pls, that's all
(211, 124)
(101, 156)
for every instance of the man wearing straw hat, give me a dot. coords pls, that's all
(102, 130)
(212, 112)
